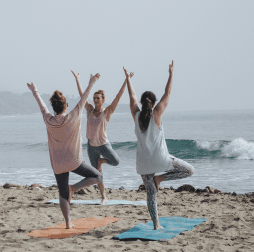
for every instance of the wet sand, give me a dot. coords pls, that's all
(230, 224)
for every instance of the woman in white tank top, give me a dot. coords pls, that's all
(152, 152)
(97, 119)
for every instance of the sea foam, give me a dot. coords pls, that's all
(210, 146)
(239, 148)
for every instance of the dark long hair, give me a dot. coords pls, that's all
(147, 100)
(58, 102)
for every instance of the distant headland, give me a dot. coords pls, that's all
(13, 103)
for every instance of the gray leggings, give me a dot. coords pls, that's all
(84, 170)
(105, 150)
(181, 169)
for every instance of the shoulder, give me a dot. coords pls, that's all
(137, 115)
(89, 107)
(46, 116)
(107, 113)
(157, 117)
(76, 112)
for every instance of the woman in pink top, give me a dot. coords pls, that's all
(97, 120)
(65, 145)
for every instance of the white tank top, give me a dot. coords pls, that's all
(96, 130)
(152, 151)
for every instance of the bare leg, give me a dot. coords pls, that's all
(101, 186)
(157, 180)
(102, 191)
(100, 161)
(71, 192)
(65, 207)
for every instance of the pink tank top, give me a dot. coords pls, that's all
(96, 130)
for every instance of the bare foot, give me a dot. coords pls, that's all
(158, 227)
(71, 192)
(69, 225)
(103, 201)
(157, 182)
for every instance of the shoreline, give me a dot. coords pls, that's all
(229, 225)
(184, 187)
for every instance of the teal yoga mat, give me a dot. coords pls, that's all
(97, 202)
(172, 226)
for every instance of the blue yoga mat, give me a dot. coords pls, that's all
(172, 227)
(97, 202)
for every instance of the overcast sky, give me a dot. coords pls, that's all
(211, 43)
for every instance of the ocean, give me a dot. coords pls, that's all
(219, 144)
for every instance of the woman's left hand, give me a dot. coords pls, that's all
(126, 72)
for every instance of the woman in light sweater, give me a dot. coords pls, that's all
(65, 145)
(152, 152)
(97, 120)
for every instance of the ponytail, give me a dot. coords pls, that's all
(148, 100)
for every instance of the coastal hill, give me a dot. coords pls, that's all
(12, 103)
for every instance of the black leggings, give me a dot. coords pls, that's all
(84, 170)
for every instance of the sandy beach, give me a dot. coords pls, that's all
(229, 225)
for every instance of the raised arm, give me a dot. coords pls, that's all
(111, 108)
(88, 105)
(85, 95)
(43, 107)
(133, 99)
(162, 105)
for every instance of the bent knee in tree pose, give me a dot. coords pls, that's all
(65, 145)
(152, 152)
(99, 148)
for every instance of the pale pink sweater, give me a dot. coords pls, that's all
(64, 134)
(96, 130)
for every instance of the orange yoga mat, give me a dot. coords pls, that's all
(81, 226)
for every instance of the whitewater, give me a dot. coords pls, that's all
(219, 144)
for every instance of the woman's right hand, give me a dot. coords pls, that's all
(76, 76)
(32, 87)
(171, 67)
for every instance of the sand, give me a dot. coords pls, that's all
(230, 224)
